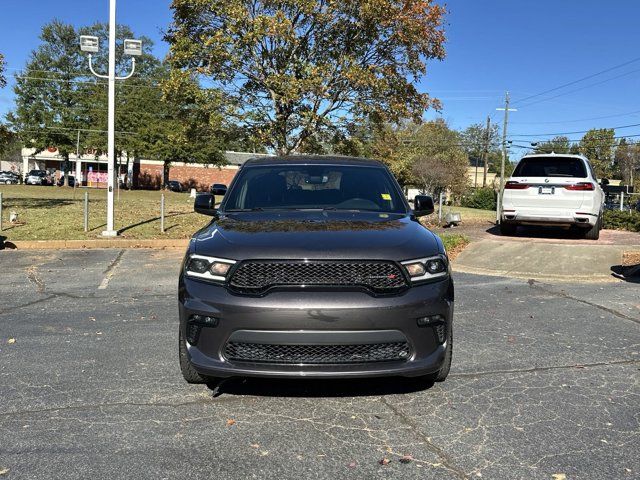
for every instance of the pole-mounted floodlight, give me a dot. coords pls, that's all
(133, 47)
(89, 43)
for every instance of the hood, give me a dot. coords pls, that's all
(318, 235)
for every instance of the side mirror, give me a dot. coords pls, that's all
(204, 204)
(423, 205)
(219, 189)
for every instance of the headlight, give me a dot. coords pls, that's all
(208, 268)
(427, 268)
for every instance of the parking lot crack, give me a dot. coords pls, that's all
(108, 273)
(562, 294)
(445, 459)
(542, 369)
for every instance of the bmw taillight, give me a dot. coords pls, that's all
(515, 186)
(582, 186)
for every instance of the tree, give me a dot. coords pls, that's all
(559, 144)
(292, 70)
(481, 144)
(428, 155)
(627, 161)
(3, 80)
(48, 93)
(598, 146)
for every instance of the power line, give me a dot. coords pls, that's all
(572, 133)
(555, 122)
(579, 80)
(579, 89)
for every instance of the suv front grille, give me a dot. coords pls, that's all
(316, 354)
(256, 277)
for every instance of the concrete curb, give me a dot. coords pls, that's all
(535, 276)
(179, 243)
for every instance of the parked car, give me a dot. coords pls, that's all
(315, 267)
(72, 181)
(38, 177)
(550, 189)
(174, 186)
(218, 189)
(9, 178)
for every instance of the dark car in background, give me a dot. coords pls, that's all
(72, 181)
(218, 189)
(315, 267)
(174, 186)
(9, 178)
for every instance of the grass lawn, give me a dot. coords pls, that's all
(57, 213)
(47, 213)
(469, 216)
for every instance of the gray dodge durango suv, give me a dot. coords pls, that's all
(315, 267)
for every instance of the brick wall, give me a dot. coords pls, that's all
(190, 176)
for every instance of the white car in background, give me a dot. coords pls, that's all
(553, 189)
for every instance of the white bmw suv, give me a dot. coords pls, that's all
(553, 189)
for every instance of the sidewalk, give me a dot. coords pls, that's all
(540, 261)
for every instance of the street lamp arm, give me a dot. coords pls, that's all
(133, 69)
(93, 71)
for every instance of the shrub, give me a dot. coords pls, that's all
(483, 198)
(617, 220)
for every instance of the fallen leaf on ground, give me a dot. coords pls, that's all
(255, 445)
(4, 471)
(559, 476)
(11, 341)
(231, 422)
(352, 465)
(406, 459)
(384, 461)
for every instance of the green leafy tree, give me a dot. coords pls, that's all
(559, 144)
(291, 70)
(49, 93)
(627, 161)
(598, 146)
(481, 145)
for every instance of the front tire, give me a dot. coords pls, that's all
(186, 367)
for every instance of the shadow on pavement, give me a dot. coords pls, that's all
(627, 273)
(540, 232)
(323, 388)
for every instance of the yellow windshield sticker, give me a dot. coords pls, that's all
(385, 196)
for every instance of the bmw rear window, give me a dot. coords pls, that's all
(550, 167)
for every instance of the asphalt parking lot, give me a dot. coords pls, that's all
(545, 384)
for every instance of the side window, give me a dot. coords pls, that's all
(593, 174)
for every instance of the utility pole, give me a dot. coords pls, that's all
(504, 152)
(91, 44)
(486, 152)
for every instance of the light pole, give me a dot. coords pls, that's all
(91, 45)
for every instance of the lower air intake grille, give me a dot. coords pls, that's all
(256, 277)
(316, 354)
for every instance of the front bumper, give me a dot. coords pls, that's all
(316, 318)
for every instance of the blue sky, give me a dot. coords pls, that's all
(525, 47)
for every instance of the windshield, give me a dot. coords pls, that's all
(336, 187)
(550, 167)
